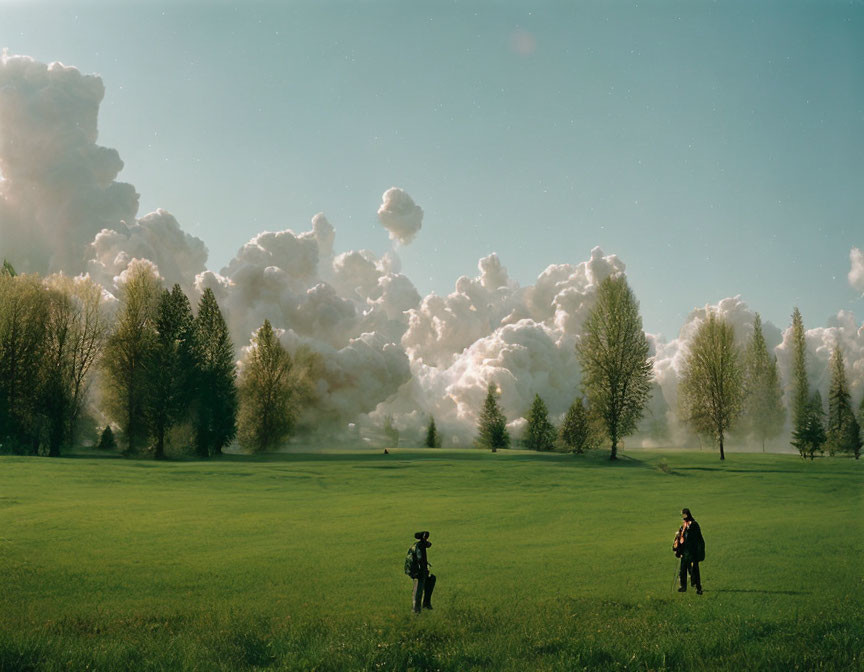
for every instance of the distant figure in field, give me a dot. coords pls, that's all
(417, 567)
(690, 547)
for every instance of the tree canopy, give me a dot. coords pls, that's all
(711, 391)
(613, 352)
(492, 427)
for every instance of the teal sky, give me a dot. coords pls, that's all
(717, 148)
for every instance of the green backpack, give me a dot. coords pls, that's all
(412, 565)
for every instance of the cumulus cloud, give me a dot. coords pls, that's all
(489, 329)
(856, 272)
(157, 237)
(400, 215)
(59, 187)
(61, 207)
(384, 350)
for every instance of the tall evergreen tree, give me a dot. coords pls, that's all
(171, 367)
(433, 438)
(266, 415)
(215, 379)
(616, 370)
(577, 431)
(764, 414)
(539, 433)
(128, 352)
(492, 427)
(801, 400)
(7, 269)
(843, 434)
(809, 436)
(106, 440)
(711, 392)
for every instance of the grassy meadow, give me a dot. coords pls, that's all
(544, 562)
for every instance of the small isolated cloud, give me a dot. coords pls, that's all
(400, 215)
(856, 273)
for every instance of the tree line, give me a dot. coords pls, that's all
(157, 368)
(161, 370)
(722, 388)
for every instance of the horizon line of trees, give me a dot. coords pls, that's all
(162, 371)
(159, 369)
(722, 388)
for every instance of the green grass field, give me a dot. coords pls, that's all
(547, 562)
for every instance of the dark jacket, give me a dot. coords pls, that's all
(694, 543)
(420, 556)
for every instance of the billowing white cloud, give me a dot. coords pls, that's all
(384, 349)
(61, 208)
(400, 215)
(59, 187)
(856, 272)
(491, 330)
(158, 237)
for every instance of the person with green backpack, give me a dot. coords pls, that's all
(417, 567)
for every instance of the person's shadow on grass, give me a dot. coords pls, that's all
(766, 592)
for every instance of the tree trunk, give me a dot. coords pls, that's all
(614, 454)
(159, 453)
(722, 456)
(55, 437)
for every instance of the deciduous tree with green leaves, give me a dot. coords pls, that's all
(56, 368)
(711, 391)
(23, 318)
(613, 352)
(539, 432)
(75, 331)
(128, 352)
(266, 415)
(492, 427)
(764, 414)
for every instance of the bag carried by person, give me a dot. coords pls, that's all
(412, 564)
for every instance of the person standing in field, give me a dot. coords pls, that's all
(417, 567)
(690, 547)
